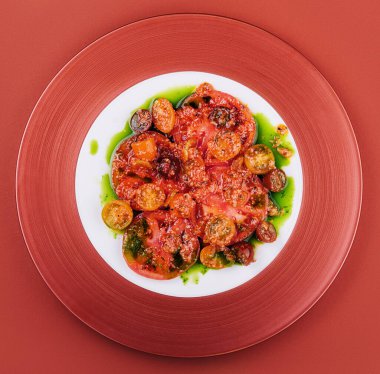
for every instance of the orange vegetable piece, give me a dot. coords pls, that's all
(145, 149)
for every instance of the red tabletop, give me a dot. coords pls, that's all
(340, 334)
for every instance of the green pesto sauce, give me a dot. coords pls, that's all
(266, 133)
(174, 95)
(193, 274)
(94, 146)
(115, 140)
(107, 193)
(284, 200)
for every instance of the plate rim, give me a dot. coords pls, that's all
(57, 76)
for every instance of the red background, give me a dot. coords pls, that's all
(341, 334)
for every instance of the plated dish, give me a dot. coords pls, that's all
(192, 184)
(82, 262)
(99, 169)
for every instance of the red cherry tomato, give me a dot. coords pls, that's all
(244, 253)
(275, 180)
(266, 232)
(141, 121)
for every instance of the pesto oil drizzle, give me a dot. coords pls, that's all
(94, 146)
(192, 274)
(266, 134)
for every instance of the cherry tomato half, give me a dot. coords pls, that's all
(141, 121)
(259, 159)
(266, 232)
(184, 205)
(117, 214)
(220, 230)
(244, 253)
(275, 180)
(225, 146)
(217, 257)
(149, 197)
(221, 117)
(163, 115)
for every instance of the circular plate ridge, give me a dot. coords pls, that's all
(209, 325)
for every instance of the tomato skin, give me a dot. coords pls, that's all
(149, 197)
(220, 230)
(217, 257)
(221, 117)
(160, 245)
(164, 116)
(126, 189)
(145, 149)
(211, 113)
(117, 214)
(244, 252)
(204, 89)
(266, 232)
(184, 205)
(141, 121)
(246, 228)
(259, 159)
(194, 172)
(275, 180)
(225, 146)
(149, 156)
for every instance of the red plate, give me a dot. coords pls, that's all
(210, 325)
